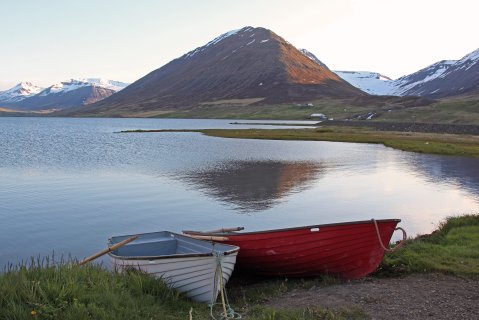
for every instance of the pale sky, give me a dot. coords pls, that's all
(49, 41)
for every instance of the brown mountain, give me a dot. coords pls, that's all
(250, 63)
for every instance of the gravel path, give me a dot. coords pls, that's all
(426, 296)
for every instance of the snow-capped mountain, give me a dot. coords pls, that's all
(71, 93)
(410, 84)
(441, 79)
(370, 82)
(249, 64)
(74, 84)
(19, 92)
(459, 77)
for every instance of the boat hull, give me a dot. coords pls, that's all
(346, 250)
(195, 277)
(193, 267)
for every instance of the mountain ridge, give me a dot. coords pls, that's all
(244, 64)
(61, 95)
(445, 78)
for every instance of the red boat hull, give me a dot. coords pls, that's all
(348, 250)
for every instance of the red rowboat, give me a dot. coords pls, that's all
(348, 250)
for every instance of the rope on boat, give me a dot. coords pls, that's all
(397, 246)
(228, 312)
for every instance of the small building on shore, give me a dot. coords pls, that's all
(318, 116)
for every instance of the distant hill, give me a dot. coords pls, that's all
(446, 78)
(63, 95)
(249, 65)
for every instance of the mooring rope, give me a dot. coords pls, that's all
(397, 246)
(228, 312)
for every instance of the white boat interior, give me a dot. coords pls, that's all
(166, 244)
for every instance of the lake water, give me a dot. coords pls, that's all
(66, 185)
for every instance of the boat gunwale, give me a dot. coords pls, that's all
(173, 256)
(289, 229)
(190, 255)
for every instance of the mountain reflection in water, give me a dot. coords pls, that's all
(255, 185)
(458, 171)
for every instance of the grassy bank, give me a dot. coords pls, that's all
(446, 144)
(452, 249)
(67, 291)
(432, 143)
(89, 292)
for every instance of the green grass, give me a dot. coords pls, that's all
(454, 110)
(432, 143)
(452, 249)
(89, 292)
(334, 108)
(462, 110)
(268, 112)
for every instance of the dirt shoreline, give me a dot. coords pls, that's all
(417, 296)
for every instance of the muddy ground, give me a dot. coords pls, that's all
(419, 296)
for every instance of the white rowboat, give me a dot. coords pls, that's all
(188, 265)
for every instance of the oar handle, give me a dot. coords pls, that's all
(109, 249)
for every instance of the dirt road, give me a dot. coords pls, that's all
(420, 296)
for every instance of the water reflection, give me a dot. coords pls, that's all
(455, 171)
(255, 185)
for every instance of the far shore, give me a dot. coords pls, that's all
(466, 145)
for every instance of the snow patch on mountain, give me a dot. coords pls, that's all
(370, 82)
(106, 83)
(222, 37)
(311, 56)
(218, 39)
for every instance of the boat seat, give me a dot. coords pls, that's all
(158, 247)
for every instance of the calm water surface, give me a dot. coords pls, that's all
(66, 185)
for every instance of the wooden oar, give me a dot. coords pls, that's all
(222, 230)
(99, 254)
(210, 238)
